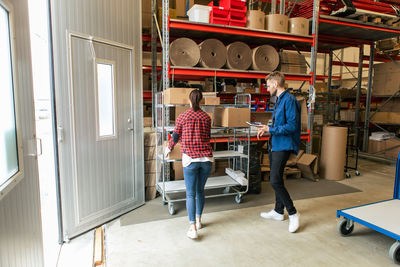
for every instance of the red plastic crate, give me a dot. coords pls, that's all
(238, 13)
(236, 4)
(218, 20)
(238, 22)
(220, 12)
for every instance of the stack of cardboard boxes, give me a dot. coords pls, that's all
(150, 164)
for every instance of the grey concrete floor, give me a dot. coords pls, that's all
(241, 238)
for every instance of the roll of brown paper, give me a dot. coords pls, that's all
(333, 152)
(212, 54)
(277, 23)
(255, 19)
(239, 56)
(184, 52)
(265, 58)
(299, 26)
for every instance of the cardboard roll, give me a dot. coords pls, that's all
(255, 19)
(265, 58)
(212, 54)
(299, 26)
(276, 23)
(239, 56)
(184, 52)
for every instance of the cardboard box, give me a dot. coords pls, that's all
(147, 121)
(149, 138)
(386, 117)
(151, 193)
(293, 158)
(150, 179)
(149, 152)
(387, 148)
(150, 166)
(177, 96)
(176, 152)
(211, 115)
(178, 170)
(308, 165)
(265, 159)
(179, 110)
(392, 106)
(180, 8)
(304, 114)
(262, 117)
(210, 101)
(231, 117)
(386, 79)
(147, 59)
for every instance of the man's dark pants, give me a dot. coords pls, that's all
(278, 161)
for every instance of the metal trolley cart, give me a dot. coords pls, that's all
(171, 191)
(383, 216)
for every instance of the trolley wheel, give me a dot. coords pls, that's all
(342, 227)
(226, 190)
(171, 209)
(358, 173)
(348, 175)
(394, 252)
(238, 198)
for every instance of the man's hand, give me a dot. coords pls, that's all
(262, 129)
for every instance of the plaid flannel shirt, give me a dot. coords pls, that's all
(194, 131)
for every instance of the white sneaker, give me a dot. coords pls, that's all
(198, 225)
(294, 222)
(192, 233)
(273, 215)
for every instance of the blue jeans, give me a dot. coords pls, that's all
(196, 175)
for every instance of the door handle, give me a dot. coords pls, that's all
(60, 134)
(130, 129)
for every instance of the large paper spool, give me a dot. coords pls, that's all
(265, 58)
(299, 26)
(184, 52)
(277, 23)
(255, 19)
(239, 56)
(212, 54)
(333, 152)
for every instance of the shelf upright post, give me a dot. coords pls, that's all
(330, 66)
(368, 102)
(358, 93)
(311, 92)
(165, 81)
(153, 59)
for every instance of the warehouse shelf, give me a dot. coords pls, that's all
(195, 30)
(336, 33)
(186, 73)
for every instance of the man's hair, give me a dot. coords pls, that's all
(278, 77)
(195, 97)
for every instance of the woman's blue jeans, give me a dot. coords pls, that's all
(196, 175)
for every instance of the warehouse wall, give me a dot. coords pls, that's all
(20, 222)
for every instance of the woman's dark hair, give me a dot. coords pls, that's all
(195, 97)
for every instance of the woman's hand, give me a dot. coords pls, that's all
(262, 129)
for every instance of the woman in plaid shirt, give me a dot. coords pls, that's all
(193, 128)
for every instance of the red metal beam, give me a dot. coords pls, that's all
(237, 31)
(232, 74)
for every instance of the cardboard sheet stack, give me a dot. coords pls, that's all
(292, 63)
(150, 164)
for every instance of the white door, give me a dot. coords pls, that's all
(97, 79)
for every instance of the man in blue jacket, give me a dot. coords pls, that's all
(284, 140)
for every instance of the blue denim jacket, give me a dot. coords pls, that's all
(286, 130)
